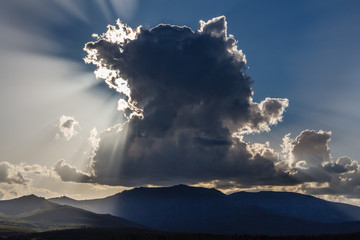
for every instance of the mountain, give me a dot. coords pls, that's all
(24, 204)
(299, 206)
(36, 213)
(191, 209)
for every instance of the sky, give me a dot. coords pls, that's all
(238, 95)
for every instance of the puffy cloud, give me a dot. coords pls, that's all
(36, 169)
(261, 116)
(46, 182)
(348, 164)
(93, 138)
(19, 173)
(9, 173)
(66, 127)
(70, 173)
(307, 158)
(312, 147)
(24, 179)
(345, 179)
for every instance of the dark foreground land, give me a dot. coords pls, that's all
(142, 234)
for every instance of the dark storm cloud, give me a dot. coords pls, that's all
(185, 94)
(191, 93)
(134, 160)
(189, 104)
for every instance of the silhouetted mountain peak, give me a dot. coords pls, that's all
(62, 198)
(23, 205)
(181, 190)
(31, 197)
(273, 194)
(65, 197)
(38, 213)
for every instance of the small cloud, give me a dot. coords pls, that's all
(70, 173)
(66, 127)
(94, 138)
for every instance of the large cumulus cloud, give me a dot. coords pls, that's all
(188, 103)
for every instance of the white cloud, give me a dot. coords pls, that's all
(67, 127)
(10, 173)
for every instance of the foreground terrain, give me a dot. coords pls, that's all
(137, 234)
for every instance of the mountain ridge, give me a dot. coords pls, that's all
(183, 208)
(37, 213)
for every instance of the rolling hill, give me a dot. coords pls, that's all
(36, 213)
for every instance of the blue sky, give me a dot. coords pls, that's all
(305, 51)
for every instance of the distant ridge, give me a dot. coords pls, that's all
(24, 204)
(32, 212)
(300, 206)
(181, 191)
(183, 208)
(63, 199)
